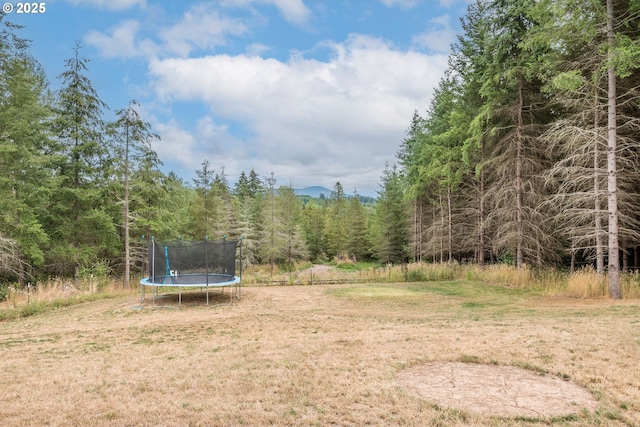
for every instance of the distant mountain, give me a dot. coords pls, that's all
(314, 192)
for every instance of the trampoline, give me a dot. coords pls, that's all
(208, 265)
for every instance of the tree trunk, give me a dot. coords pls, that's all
(434, 248)
(127, 249)
(442, 227)
(596, 191)
(417, 229)
(420, 235)
(481, 215)
(572, 266)
(519, 185)
(612, 185)
(449, 225)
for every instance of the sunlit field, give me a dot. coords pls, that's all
(322, 354)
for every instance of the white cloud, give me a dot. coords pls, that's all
(449, 3)
(202, 27)
(439, 37)
(183, 150)
(110, 4)
(409, 4)
(257, 49)
(342, 118)
(121, 42)
(404, 4)
(294, 11)
(176, 145)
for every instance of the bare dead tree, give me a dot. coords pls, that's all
(11, 260)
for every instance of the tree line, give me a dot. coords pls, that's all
(529, 150)
(527, 154)
(80, 195)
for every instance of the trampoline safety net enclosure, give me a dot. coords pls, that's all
(194, 264)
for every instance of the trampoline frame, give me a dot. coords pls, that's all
(172, 279)
(169, 282)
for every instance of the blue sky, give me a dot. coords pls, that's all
(314, 91)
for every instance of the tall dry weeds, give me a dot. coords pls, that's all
(57, 289)
(583, 283)
(586, 283)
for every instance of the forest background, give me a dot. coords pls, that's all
(527, 155)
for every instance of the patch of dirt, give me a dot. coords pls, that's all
(496, 390)
(318, 269)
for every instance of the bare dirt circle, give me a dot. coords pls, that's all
(505, 391)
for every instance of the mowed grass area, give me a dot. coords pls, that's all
(310, 356)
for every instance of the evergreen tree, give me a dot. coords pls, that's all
(442, 166)
(249, 192)
(82, 229)
(290, 211)
(203, 209)
(226, 221)
(390, 233)
(467, 65)
(25, 178)
(515, 113)
(409, 159)
(313, 226)
(358, 246)
(132, 138)
(336, 223)
(273, 240)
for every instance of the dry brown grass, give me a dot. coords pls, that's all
(57, 288)
(583, 283)
(310, 355)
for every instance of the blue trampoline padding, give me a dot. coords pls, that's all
(192, 280)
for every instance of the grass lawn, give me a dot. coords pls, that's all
(312, 355)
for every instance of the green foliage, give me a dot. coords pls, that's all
(473, 180)
(97, 274)
(389, 233)
(568, 81)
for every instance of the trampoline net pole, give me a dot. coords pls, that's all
(206, 264)
(240, 284)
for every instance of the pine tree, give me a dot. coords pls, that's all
(249, 192)
(313, 225)
(358, 246)
(290, 211)
(204, 209)
(273, 240)
(25, 178)
(390, 234)
(410, 163)
(132, 138)
(514, 114)
(83, 228)
(336, 223)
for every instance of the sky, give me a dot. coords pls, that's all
(314, 91)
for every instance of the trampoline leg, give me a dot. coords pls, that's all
(179, 297)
